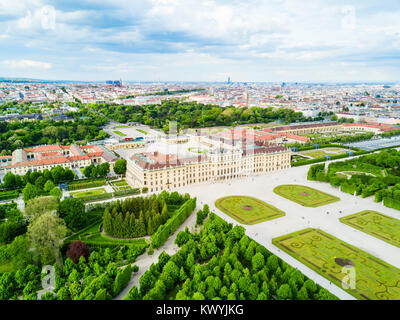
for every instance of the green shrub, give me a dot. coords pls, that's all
(122, 279)
(85, 184)
(8, 195)
(164, 231)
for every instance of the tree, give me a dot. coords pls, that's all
(302, 294)
(198, 296)
(29, 192)
(87, 171)
(9, 181)
(20, 253)
(120, 166)
(72, 210)
(58, 174)
(56, 192)
(78, 249)
(46, 233)
(62, 293)
(103, 169)
(284, 292)
(258, 261)
(48, 186)
(37, 206)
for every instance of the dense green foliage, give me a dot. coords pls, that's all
(195, 115)
(12, 222)
(19, 134)
(374, 174)
(179, 216)
(73, 212)
(202, 214)
(120, 166)
(101, 170)
(221, 262)
(8, 195)
(36, 183)
(98, 277)
(86, 184)
(137, 217)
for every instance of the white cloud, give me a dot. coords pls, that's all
(27, 64)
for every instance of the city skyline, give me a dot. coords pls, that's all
(201, 41)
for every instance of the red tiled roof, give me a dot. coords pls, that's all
(44, 148)
(294, 137)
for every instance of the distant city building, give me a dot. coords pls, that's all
(117, 83)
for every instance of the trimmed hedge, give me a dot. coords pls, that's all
(122, 279)
(165, 230)
(126, 192)
(86, 185)
(391, 203)
(96, 197)
(348, 188)
(8, 195)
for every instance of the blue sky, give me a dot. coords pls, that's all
(196, 40)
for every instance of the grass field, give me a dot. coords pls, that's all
(119, 133)
(142, 131)
(305, 196)
(375, 224)
(88, 193)
(319, 153)
(327, 255)
(198, 150)
(120, 127)
(120, 185)
(247, 210)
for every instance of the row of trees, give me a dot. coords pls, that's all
(221, 262)
(137, 217)
(195, 115)
(99, 171)
(134, 224)
(38, 178)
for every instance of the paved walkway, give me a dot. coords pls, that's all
(144, 261)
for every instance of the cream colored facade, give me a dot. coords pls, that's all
(312, 129)
(216, 168)
(126, 145)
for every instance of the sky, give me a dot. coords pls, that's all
(196, 40)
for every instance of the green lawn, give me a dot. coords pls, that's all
(319, 153)
(88, 193)
(120, 127)
(142, 131)
(247, 210)
(326, 255)
(305, 196)
(120, 185)
(198, 150)
(375, 224)
(119, 133)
